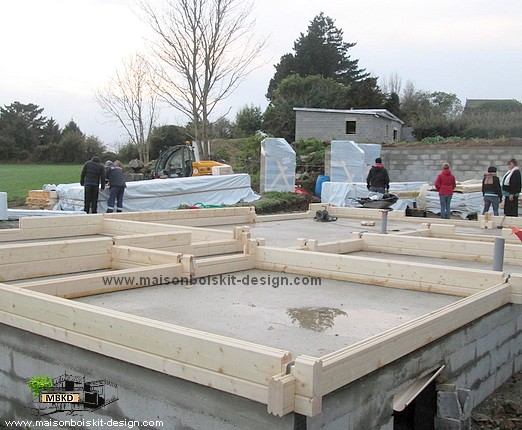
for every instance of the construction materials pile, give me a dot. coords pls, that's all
(41, 199)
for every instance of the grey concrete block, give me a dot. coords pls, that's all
(449, 424)
(503, 373)
(462, 357)
(483, 389)
(500, 356)
(478, 372)
(465, 398)
(486, 344)
(448, 405)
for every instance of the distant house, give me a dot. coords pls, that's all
(492, 105)
(359, 125)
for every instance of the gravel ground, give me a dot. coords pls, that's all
(503, 409)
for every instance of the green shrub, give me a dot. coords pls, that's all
(39, 384)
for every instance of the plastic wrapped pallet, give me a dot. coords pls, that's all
(347, 162)
(277, 165)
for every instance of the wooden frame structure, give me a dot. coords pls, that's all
(43, 275)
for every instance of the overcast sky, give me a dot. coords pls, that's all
(55, 53)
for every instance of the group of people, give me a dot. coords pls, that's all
(95, 177)
(494, 189)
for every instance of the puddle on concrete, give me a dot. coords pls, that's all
(315, 318)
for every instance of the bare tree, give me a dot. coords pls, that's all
(204, 49)
(130, 98)
(391, 84)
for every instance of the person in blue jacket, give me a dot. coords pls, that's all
(117, 187)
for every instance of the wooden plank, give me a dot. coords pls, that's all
(185, 214)
(155, 240)
(53, 250)
(284, 217)
(351, 363)
(118, 227)
(205, 234)
(143, 256)
(341, 246)
(428, 247)
(515, 282)
(281, 394)
(12, 235)
(94, 220)
(39, 269)
(308, 375)
(106, 282)
(146, 359)
(220, 354)
(213, 221)
(223, 264)
(375, 271)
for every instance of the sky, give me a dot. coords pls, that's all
(56, 53)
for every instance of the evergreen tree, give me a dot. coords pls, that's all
(321, 51)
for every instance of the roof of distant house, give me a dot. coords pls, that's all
(476, 103)
(384, 113)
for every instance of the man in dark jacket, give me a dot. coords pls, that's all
(378, 180)
(92, 177)
(511, 187)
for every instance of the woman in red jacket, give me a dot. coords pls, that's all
(445, 184)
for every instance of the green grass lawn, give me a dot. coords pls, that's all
(17, 179)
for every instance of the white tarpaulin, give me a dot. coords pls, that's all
(371, 152)
(347, 162)
(462, 204)
(277, 165)
(346, 194)
(158, 194)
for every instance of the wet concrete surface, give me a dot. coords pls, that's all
(304, 319)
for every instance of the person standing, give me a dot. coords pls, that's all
(511, 184)
(445, 184)
(117, 187)
(491, 191)
(92, 177)
(378, 180)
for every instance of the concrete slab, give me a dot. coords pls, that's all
(304, 319)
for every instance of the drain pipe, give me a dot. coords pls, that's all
(384, 223)
(498, 254)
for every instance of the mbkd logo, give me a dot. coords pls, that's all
(60, 398)
(70, 393)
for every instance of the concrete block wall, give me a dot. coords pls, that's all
(414, 163)
(144, 395)
(332, 126)
(478, 358)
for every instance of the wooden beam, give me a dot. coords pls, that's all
(348, 364)
(281, 394)
(143, 257)
(98, 283)
(515, 281)
(223, 264)
(23, 261)
(423, 277)
(439, 248)
(118, 227)
(94, 220)
(147, 359)
(231, 357)
(308, 387)
(155, 240)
